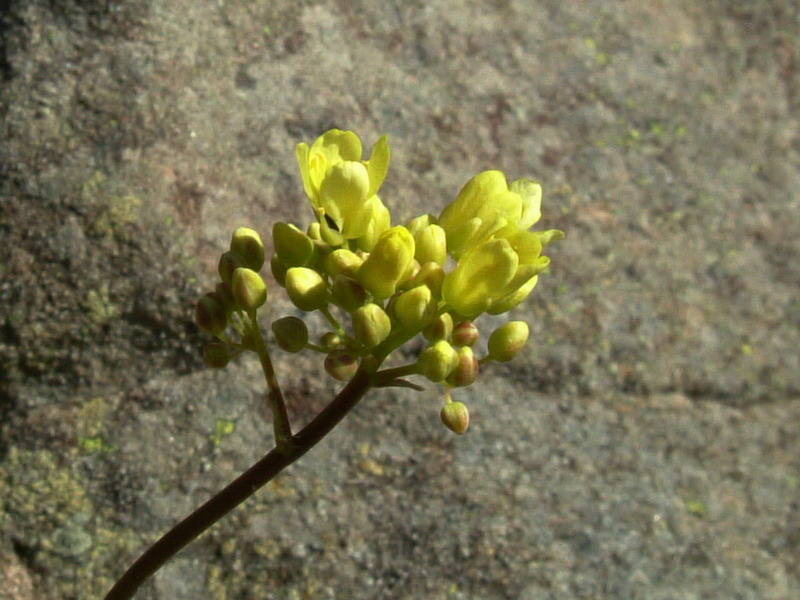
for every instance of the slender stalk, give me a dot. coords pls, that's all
(280, 417)
(245, 485)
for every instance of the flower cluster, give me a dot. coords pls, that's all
(380, 285)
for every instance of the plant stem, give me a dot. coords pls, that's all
(245, 485)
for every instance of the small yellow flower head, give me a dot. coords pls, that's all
(440, 329)
(247, 244)
(341, 365)
(431, 245)
(487, 207)
(306, 288)
(293, 247)
(210, 314)
(388, 262)
(437, 361)
(291, 334)
(415, 308)
(455, 416)
(507, 340)
(340, 184)
(249, 290)
(371, 325)
(216, 355)
(347, 293)
(466, 370)
(465, 334)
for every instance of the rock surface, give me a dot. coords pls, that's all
(646, 446)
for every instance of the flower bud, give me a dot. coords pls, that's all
(228, 263)
(371, 325)
(431, 245)
(415, 308)
(306, 288)
(419, 223)
(224, 294)
(216, 355)
(291, 334)
(249, 290)
(341, 365)
(507, 340)
(466, 370)
(313, 231)
(388, 262)
(432, 275)
(247, 243)
(330, 341)
(437, 361)
(210, 315)
(293, 247)
(407, 279)
(278, 270)
(440, 329)
(348, 293)
(465, 334)
(455, 416)
(381, 221)
(342, 262)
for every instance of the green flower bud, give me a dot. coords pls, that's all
(342, 262)
(216, 355)
(291, 334)
(440, 329)
(341, 365)
(431, 245)
(278, 270)
(210, 314)
(228, 263)
(330, 341)
(224, 295)
(437, 361)
(249, 290)
(348, 293)
(419, 223)
(371, 325)
(293, 247)
(247, 244)
(388, 262)
(432, 275)
(415, 308)
(507, 340)
(381, 221)
(466, 370)
(313, 231)
(455, 416)
(306, 288)
(465, 334)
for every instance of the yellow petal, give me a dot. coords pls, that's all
(378, 164)
(531, 194)
(337, 145)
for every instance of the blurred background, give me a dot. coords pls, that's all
(646, 444)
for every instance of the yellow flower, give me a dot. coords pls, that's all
(340, 185)
(388, 262)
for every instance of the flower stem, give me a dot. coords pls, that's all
(245, 485)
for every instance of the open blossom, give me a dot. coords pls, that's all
(341, 186)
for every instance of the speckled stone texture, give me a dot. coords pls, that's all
(644, 447)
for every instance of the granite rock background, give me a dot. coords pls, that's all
(647, 444)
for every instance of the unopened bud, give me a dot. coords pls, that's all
(306, 288)
(437, 361)
(507, 340)
(210, 315)
(407, 279)
(466, 369)
(415, 308)
(419, 223)
(432, 275)
(341, 365)
(216, 355)
(224, 295)
(249, 290)
(440, 329)
(388, 262)
(371, 325)
(228, 263)
(278, 270)
(330, 341)
(291, 334)
(465, 334)
(455, 415)
(247, 243)
(313, 231)
(342, 262)
(431, 245)
(293, 247)
(348, 293)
